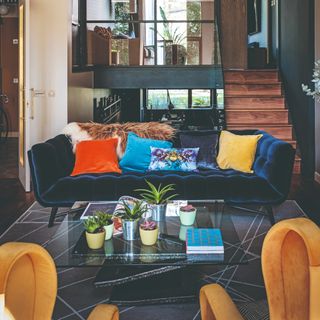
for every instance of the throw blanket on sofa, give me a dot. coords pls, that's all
(96, 131)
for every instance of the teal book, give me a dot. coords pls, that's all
(204, 241)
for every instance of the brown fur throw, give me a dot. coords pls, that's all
(96, 131)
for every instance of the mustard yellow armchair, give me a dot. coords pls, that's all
(291, 271)
(28, 285)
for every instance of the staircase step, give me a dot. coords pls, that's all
(283, 132)
(265, 90)
(240, 102)
(297, 165)
(251, 76)
(292, 142)
(257, 116)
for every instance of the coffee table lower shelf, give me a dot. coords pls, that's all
(150, 285)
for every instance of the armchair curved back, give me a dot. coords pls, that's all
(291, 270)
(28, 281)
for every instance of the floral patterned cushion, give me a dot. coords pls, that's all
(173, 159)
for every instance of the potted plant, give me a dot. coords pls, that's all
(106, 221)
(148, 233)
(175, 51)
(187, 215)
(158, 199)
(130, 215)
(95, 233)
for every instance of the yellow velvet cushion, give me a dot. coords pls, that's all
(237, 152)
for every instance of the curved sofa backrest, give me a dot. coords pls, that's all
(50, 161)
(291, 269)
(274, 162)
(64, 152)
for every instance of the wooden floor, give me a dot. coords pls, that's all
(14, 201)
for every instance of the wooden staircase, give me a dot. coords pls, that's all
(254, 100)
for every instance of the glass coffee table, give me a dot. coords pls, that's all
(162, 273)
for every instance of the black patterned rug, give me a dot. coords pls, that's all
(77, 296)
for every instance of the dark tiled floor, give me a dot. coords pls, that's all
(244, 283)
(77, 295)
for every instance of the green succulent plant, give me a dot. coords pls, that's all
(133, 212)
(92, 225)
(155, 195)
(104, 218)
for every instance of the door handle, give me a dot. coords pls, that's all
(34, 94)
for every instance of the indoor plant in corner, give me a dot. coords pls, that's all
(106, 222)
(130, 215)
(148, 233)
(158, 199)
(95, 233)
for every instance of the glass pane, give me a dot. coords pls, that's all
(99, 10)
(172, 43)
(193, 52)
(157, 99)
(161, 99)
(179, 98)
(111, 44)
(148, 36)
(121, 10)
(120, 50)
(148, 10)
(201, 98)
(185, 10)
(220, 98)
(176, 46)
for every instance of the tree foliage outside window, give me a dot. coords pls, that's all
(194, 13)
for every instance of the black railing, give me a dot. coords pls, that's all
(107, 109)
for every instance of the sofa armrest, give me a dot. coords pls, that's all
(216, 304)
(274, 163)
(104, 312)
(50, 161)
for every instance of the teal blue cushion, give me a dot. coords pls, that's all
(137, 156)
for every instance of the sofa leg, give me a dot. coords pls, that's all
(54, 211)
(270, 214)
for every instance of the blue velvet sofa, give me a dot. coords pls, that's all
(51, 163)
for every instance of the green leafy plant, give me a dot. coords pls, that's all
(315, 94)
(105, 219)
(155, 195)
(131, 212)
(93, 225)
(170, 33)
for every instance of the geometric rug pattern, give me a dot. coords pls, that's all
(77, 296)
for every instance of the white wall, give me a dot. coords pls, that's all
(317, 109)
(262, 37)
(49, 25)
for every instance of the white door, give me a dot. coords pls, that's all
(44, 32)
(24, 92)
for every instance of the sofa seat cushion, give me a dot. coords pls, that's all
(208, 184)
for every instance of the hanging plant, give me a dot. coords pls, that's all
(315, 94)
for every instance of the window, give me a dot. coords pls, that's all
(154, 32)
(179, 99)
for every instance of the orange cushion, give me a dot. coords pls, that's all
(96, 156)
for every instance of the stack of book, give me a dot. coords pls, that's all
(204, 241)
